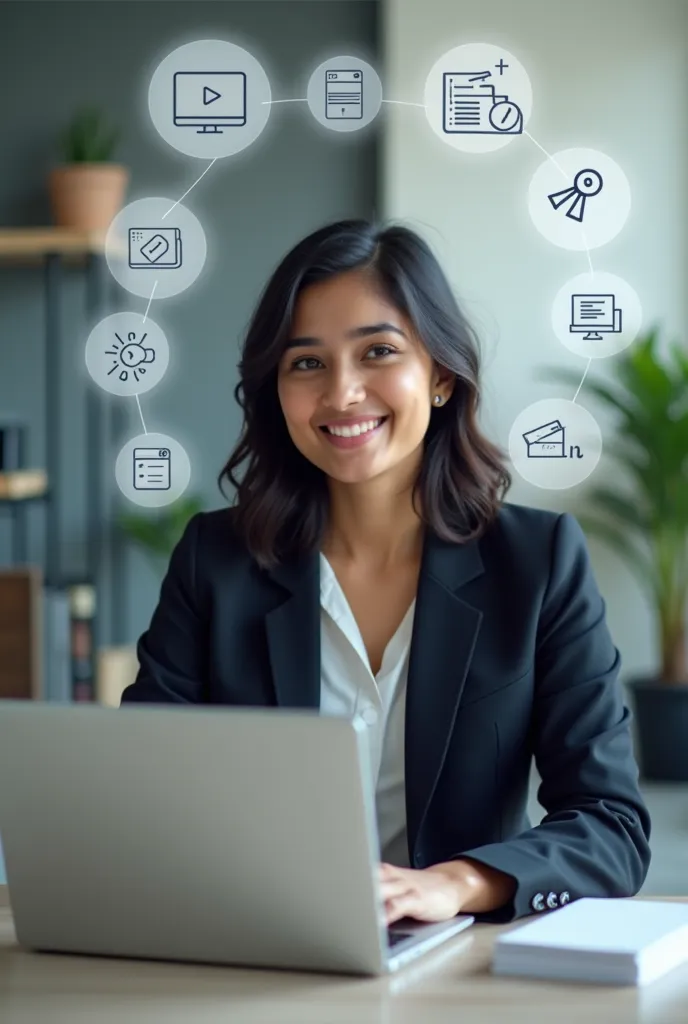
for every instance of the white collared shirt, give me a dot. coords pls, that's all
(348, 687)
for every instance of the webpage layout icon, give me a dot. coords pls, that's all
(546, 441)
(152, 469)
(344, 95)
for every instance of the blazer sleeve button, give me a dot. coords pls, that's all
(536, 902)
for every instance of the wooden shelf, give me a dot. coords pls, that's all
(23, 485)
(31, 245)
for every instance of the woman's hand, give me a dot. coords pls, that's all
(429, 894)
(442, 891)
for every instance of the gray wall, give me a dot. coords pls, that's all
(56, 56)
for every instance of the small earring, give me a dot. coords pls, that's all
(438, 400)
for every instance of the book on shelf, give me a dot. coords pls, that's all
(82, 610)
(20, 633)
(23, 483)
(70, 656)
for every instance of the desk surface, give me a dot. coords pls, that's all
(452, 985)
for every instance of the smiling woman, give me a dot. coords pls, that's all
(377, 383)
(370, 567)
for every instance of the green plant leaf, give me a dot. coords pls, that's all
(649, 401)
(157, 533)
(639, 564)
(87, 137)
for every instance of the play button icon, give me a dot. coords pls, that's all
(209, 95)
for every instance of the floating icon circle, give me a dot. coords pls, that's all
(579, 199)
(555, 444)
(209, 98)
(478, 97)
(344, 94)
(127, 354)
(152, 470)
(155, 247)
(596, 315)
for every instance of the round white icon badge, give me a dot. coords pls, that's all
(127, 354)
(209, 98)
(555, 444)
(152, 470)
(478, 97)
(155, 248)
(579, 199)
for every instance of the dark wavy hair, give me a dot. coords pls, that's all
(281, 503)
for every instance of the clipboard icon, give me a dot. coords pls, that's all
(546, 441)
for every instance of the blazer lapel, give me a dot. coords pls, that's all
(293, 633)
(445, 630)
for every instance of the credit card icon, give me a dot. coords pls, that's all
(159, 248)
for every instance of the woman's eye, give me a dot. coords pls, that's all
(304, 359)
(308, 359)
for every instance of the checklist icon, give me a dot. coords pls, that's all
(152, 469)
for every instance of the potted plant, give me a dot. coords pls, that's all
(157, 533)
(87, 190)
(648, 527)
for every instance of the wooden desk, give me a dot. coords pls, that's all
(452, 985)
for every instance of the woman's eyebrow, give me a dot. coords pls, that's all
(356, 332)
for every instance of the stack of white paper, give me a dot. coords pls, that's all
(618, 941)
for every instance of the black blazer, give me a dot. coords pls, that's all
(510, 658)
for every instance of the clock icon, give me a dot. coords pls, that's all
(506, 116)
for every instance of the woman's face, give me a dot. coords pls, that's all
(353, 359)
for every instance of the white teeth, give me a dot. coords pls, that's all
(358, 428)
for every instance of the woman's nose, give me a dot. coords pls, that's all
(343, 386)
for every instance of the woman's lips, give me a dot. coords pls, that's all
(357, 440)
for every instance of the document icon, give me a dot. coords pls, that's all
(151, 469)
(470, 106)
(546, 441)
(344, 95)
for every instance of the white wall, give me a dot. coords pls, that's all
(611, 75)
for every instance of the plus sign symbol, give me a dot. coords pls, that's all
(501, 66)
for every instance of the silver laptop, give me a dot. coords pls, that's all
(242, 836)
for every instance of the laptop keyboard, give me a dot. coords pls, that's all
(396, 935)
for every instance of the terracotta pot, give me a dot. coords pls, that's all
(87, 196)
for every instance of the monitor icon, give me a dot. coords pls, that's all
(595, 315)
(209, 101)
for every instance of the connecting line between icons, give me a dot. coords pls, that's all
(189, 189)
(585, 373)
(405, 103)
(585, 241)
(145, 315)
(138, 402)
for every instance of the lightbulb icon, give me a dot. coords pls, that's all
(130, 356)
